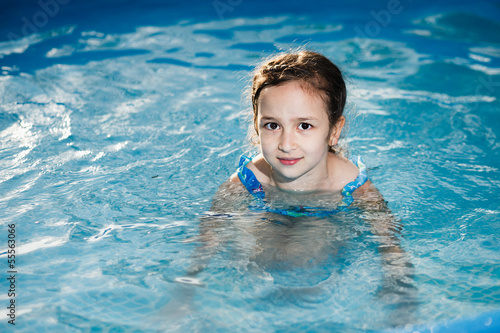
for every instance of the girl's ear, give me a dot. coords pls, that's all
(336, 130)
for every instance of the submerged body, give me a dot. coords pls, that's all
(298, 101)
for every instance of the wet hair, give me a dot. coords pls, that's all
(316, 74)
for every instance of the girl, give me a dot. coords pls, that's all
(298, 179)
(298, 101)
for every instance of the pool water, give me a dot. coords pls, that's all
(119, 120)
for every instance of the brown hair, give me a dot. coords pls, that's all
(314, 70)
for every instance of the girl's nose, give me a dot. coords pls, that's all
(287, 141)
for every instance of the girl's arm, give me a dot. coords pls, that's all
(210, 241)
(398, 272)
(212, 224)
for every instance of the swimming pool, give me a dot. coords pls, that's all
(119, 120)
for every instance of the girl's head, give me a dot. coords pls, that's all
(315, 73)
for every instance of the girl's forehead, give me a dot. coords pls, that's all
(291, 100)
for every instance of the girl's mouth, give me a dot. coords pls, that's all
(289, 161)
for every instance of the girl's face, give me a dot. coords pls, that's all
(295, 135)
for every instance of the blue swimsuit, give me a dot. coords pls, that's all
(253, 186)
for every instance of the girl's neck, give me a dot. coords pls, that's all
(321, 178)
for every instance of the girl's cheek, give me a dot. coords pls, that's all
(266, 134)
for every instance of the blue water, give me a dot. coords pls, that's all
(119, 120)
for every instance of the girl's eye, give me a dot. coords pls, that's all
(271, 126)
(304, 126)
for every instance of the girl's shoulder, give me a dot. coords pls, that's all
(258, 166)
(345, 170)
(344, 166)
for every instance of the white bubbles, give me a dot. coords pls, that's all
(189, 280)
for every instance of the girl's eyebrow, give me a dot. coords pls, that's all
(306, 119)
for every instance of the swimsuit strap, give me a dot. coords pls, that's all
(347, 198)
(248, 178)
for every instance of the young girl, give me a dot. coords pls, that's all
(296, 183)
(298, 101)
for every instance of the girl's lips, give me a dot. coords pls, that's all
(289, 161)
